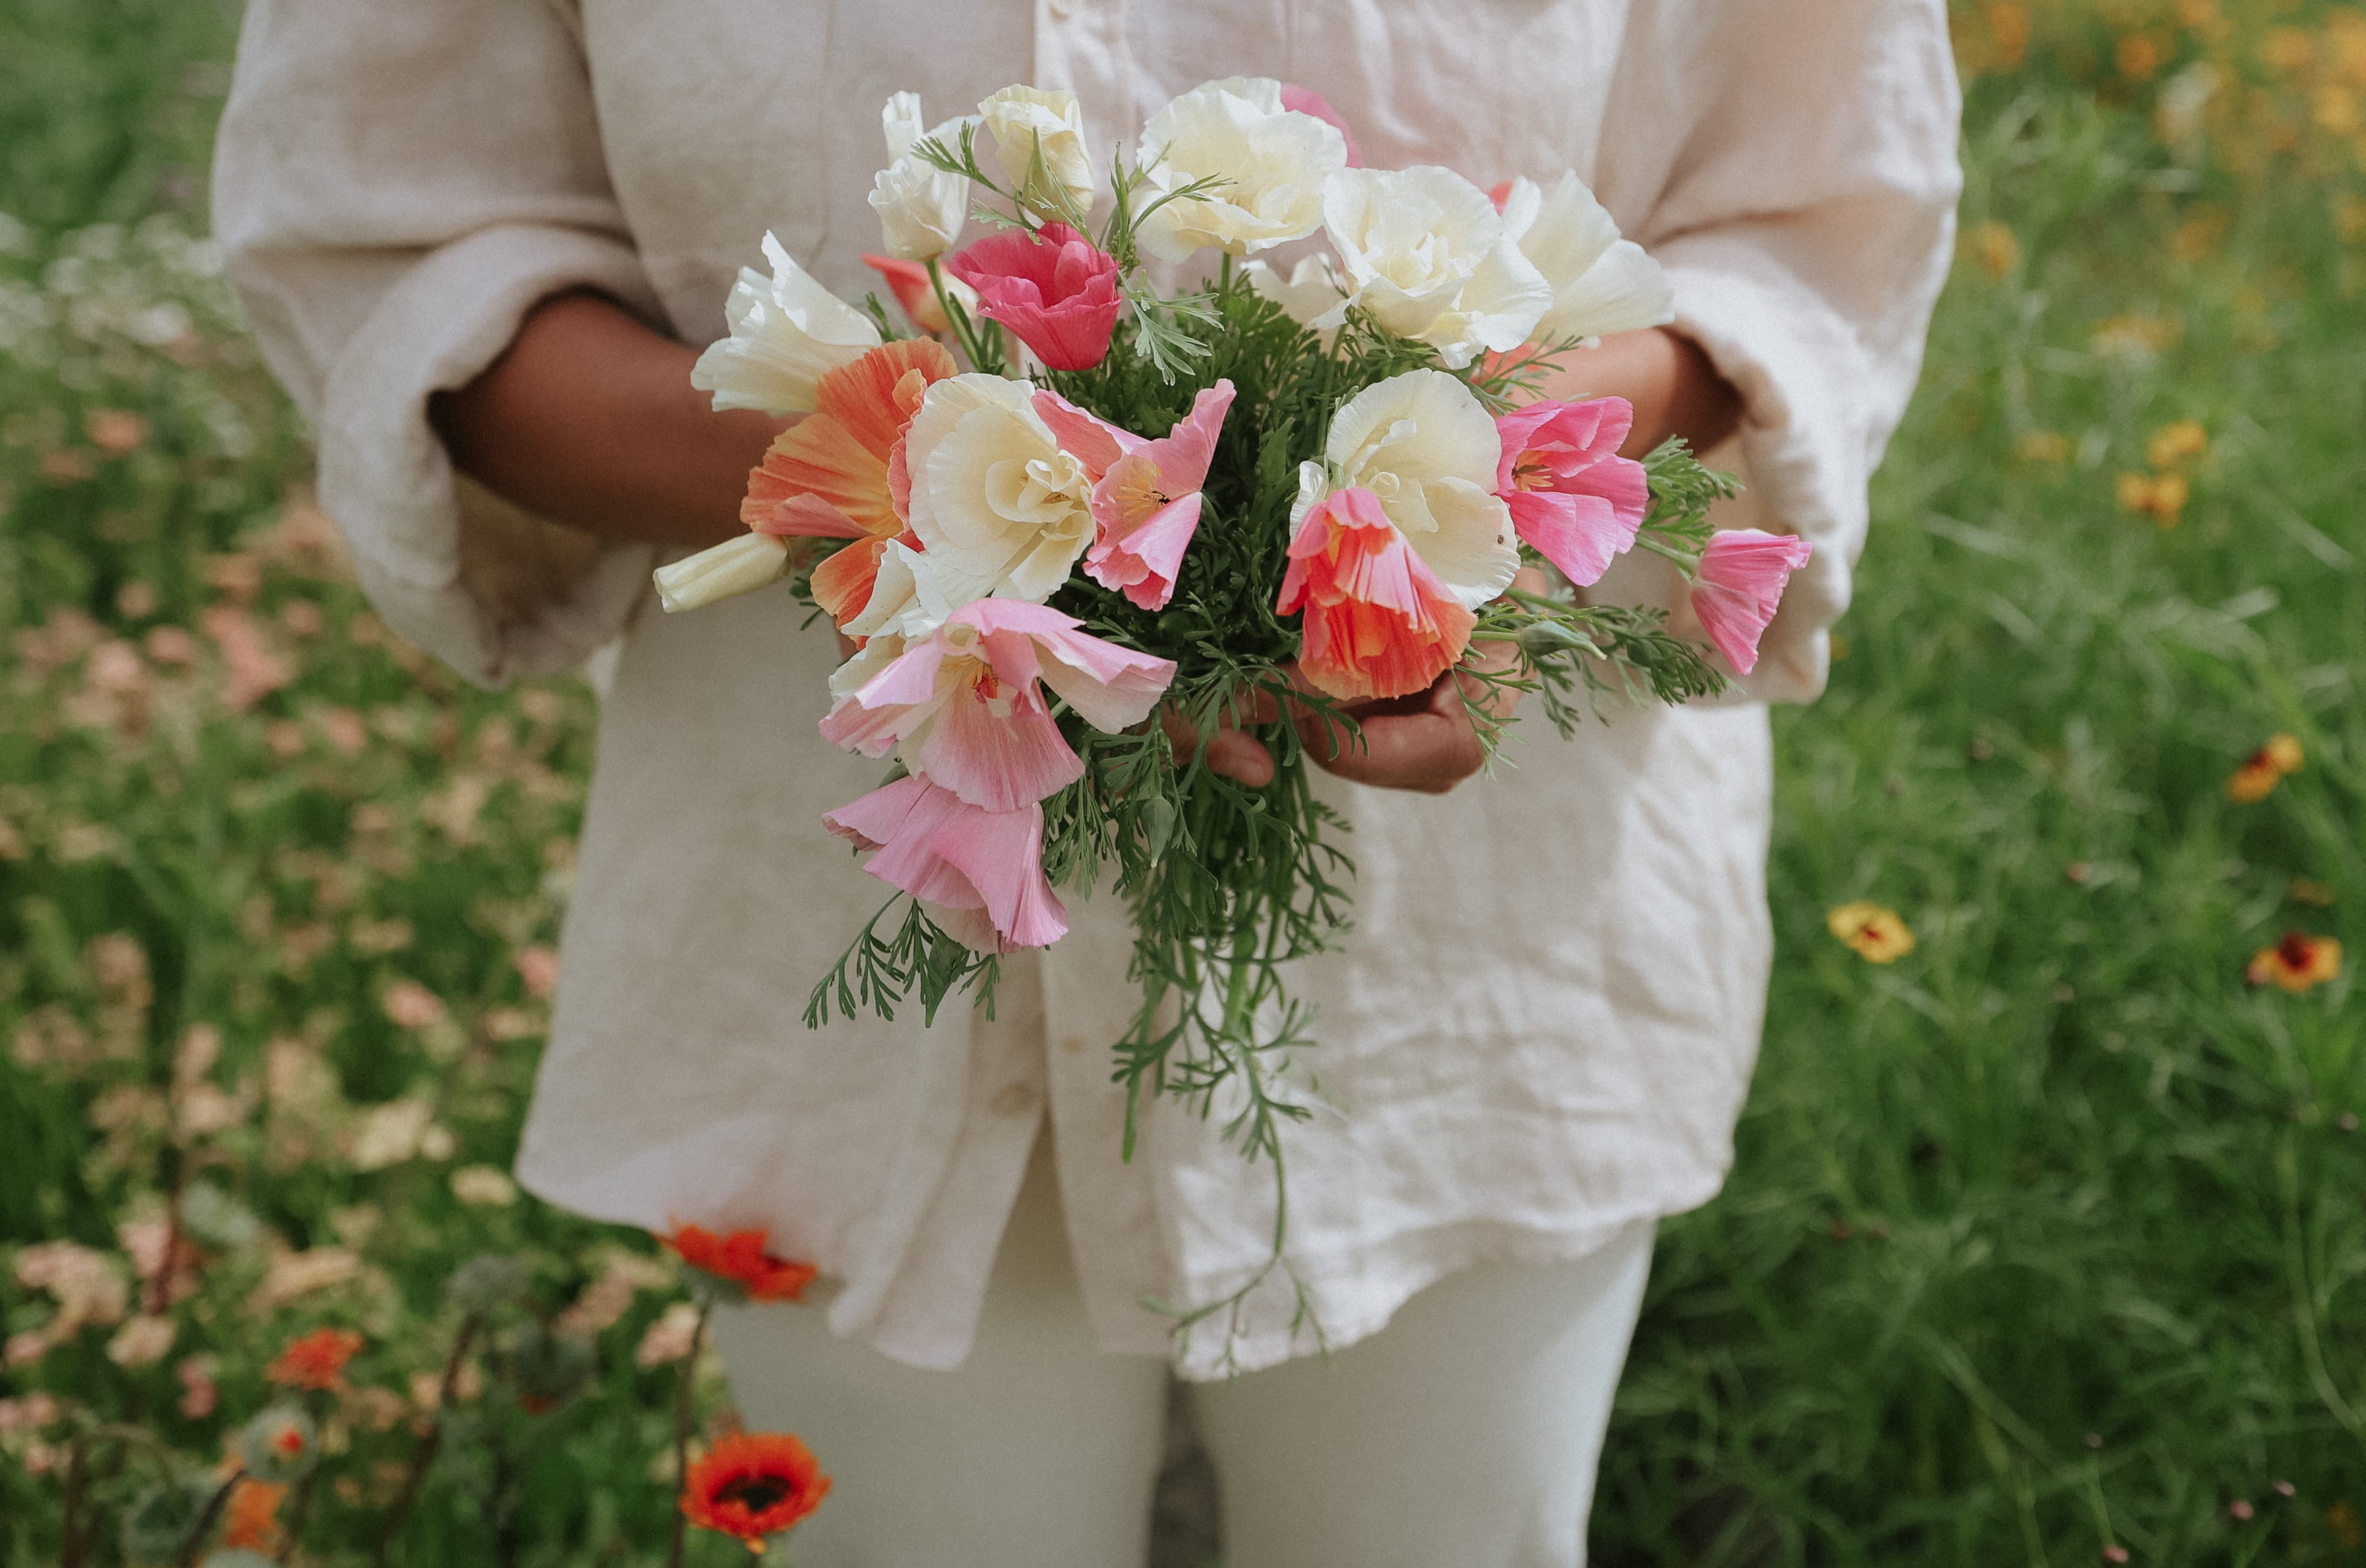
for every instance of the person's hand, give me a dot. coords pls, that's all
(1427, 742)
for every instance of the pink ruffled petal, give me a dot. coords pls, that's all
(899, 821)
(998, 762)
(1184, 453)
(1144, 562)
(877, 818)
(1111, 688)
(1001, 854)
(1581, 534)
(1742, 575)
(1090, 439)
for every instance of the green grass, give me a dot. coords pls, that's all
(2046, 1238)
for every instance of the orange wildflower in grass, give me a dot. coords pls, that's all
(316, 1362)
(752, 1484)
(2264, 769)
(2140, 56)
(2295, 964)
(1875, 933)
(832, 474)
(2008, 29)
(2177, 443)
(2048, 447)
(739, 1258)
(251, 1517)
(2160, 497)
(1994, 246)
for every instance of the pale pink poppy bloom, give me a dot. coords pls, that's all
(980, 873)
(1573, 497)
(964, 705)
(1306, 100)
(1145, 493)
(1741, 577)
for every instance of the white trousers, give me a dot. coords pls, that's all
(1465, 1432)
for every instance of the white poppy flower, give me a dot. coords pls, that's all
(999, 507)
(1425, 252)
(787, 333)
(721, 571)
(1311, 289)
(1274, 162)
(1601, 283)
(1022, 119)
(909, 599)
(921, 207)
(1425, 444)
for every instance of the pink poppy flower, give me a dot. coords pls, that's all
(1741, 577)
(1571, 496)
(980, 872)
(1145, 493)
(1052, 288)
(1306, 100)
(964, 705)
(1379, 622)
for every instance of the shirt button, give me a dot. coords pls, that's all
(1073, 1046)
(1014, 1100)
(1062, 9)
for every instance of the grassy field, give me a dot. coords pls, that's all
(2047, 1241)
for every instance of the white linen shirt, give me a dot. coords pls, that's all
(1544, 1023)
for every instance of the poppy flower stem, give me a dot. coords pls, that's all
(681, 1413)
(424, 1458)
(195, 1539)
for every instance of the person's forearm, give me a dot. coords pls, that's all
(588, 419)
(1674, 388)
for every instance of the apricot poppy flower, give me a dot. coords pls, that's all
(980, 873)
(250, 1518)
(1145, 498)
(1379, 622)
(315, 1362)
(1876, 934)
(830, 474)
(1573, 498)
(1054, 289)
(916, 292)
(1743, 574)
(738, 1260)
(2297, 962)
(2264, 769)
(753, 1484)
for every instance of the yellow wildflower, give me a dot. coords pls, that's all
(1994, 247)
(2264, 769)
(1875, 933)
(2160, 497)
(2181, 442)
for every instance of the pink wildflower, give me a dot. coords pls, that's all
(1145, 493)
(1571, 496)
(1052, 288)
(1743, 574)
(964, 862)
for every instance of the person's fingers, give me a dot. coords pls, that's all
(1240, 757)
(1422, 742)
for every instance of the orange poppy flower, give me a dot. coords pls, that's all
(1876, 934)
(251, 1518)
(752, 1484)
(829, 476)
(2295, 964)
(739, 1259)
(2264, 769)
(316, 1362)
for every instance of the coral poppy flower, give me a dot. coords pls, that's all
(1743, 574)
(316, 1362)
(915, 293)
(739, 1259)
(980, 873)
(1573, 498)
(829, 476)
(1876, 934)
(1379, 622)
(2295, 964)
(1145, 493)
(2264, 769)
(251, 1519)
(965, 704)
(1052, 288)
(752, 1484)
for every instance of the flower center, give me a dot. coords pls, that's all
(1530, 473)
(1048, 493)
(2296, 949)
(754, 1493)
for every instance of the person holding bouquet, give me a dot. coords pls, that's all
(486, 243)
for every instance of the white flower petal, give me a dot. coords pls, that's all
(1275, 163)
(1428, 447)
(1424, 252)
(998, 506)
(1601, 283)
(788, 332)
(1019, 121)
(732, 568)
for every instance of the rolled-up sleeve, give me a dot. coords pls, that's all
(396, 186)
(1807, 223)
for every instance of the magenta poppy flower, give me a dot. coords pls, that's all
(1052, 288)
(1571, 496)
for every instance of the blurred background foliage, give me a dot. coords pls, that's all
(2047, 1239)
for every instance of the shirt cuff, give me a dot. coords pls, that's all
(494, 591)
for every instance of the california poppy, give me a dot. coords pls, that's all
(316, 1362)
(739, 1259)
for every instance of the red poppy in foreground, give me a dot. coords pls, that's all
(752, 1484)
(739, 1258)
(316, 1362)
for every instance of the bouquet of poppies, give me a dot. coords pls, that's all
(1117, 482)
